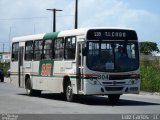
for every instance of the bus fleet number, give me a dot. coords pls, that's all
(97, 33)
(46, 69)
(102, 77)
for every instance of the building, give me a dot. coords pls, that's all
(5, 57)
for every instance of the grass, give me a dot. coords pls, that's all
(150, 75)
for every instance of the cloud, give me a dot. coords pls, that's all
(146, 24)
(92, 13)
(101, 13)
(117, 13)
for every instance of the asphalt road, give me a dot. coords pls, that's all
(13, 100)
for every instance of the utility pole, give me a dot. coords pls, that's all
(10, 30)
(3, 47)
(76, 14)
(54, 18)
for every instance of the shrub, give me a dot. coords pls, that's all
(150, 75)
(5, 67)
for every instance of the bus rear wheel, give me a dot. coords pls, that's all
(29, 90)
(69, 92)
(114, 98)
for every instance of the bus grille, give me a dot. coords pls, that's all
(119, 77)
(111, 83)
(114, 88)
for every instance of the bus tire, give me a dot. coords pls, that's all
(29, 90)
(114, 98)
(69, 92)
(2, 79)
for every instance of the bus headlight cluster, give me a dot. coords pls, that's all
(93, 81)
(133, 81)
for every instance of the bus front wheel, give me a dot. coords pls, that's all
(114, 98)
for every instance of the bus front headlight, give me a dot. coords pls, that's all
(133, 81)
(135, 78)
(93, 81)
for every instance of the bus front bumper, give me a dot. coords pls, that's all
(98, 89)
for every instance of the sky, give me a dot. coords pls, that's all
(26, 17)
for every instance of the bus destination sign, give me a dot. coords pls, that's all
(111, 34)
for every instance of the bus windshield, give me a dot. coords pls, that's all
(112, 56)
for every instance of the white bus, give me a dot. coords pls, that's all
(88, 61)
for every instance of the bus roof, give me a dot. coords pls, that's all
(28, 37)
(52, 35)
(83, 31)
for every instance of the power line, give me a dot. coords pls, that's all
(29, 18)
(54, 17)
(24, 18)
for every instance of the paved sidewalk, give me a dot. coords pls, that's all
(150, 93)
(7, 80)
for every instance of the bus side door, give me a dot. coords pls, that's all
(80, 67)
(20, 67)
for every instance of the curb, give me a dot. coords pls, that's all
(149, 93)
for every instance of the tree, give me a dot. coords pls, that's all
(148, 47)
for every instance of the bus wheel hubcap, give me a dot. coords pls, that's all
(28, 91)
(69, 91)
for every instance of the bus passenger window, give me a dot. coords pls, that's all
(48, 49)
(70, 48)
(38, 45)
(15, 47)
(59, 48)
(29, 50)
